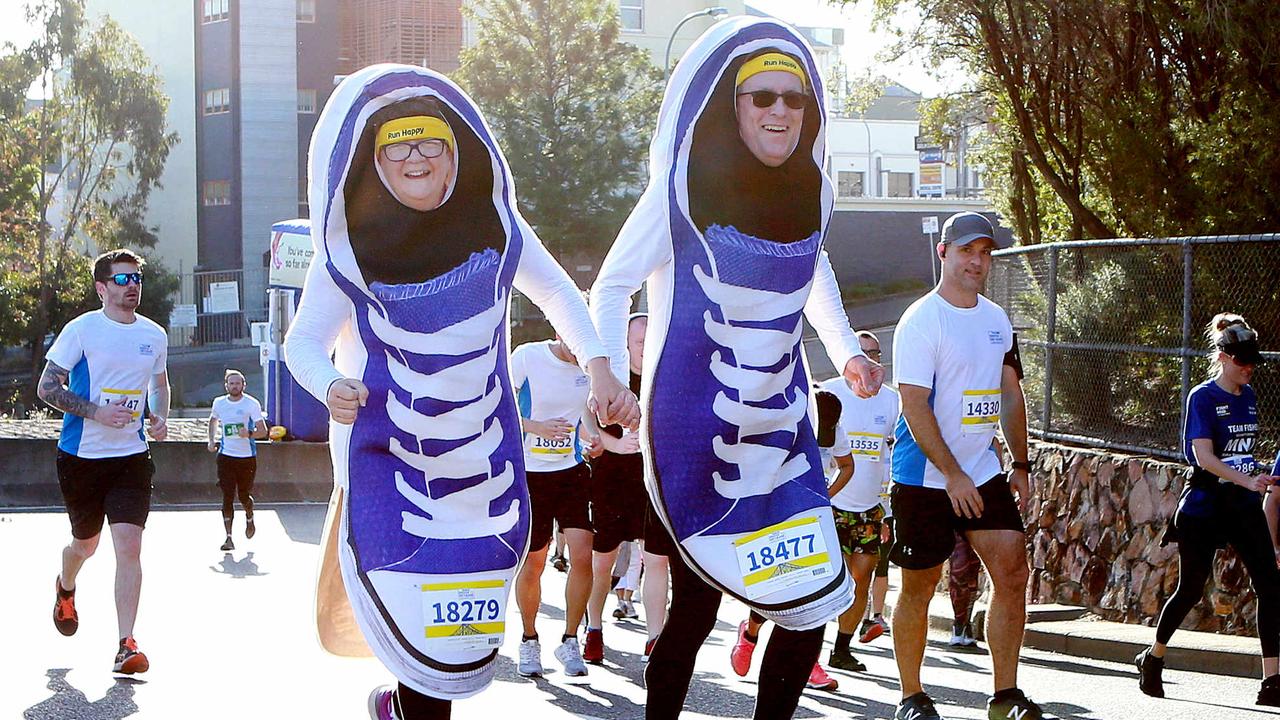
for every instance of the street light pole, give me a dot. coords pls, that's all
(714, 12)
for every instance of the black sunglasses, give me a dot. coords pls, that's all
(429, 148)
(766, 98)
(123, 279)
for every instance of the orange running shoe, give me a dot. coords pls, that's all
(820, 680)
(740, 655)
(65, 617)
(129, 660)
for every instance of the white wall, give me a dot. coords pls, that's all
(892, 144)
(165, 30)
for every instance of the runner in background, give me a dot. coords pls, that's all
(234, 423)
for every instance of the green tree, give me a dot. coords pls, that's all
(573, 108)
(76, 169)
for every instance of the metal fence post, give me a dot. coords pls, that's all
(1046, 411)
(1186, 330)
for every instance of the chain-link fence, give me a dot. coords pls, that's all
(1112, 332)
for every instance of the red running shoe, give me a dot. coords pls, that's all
(740, 655)
(820, 680)
(593, 651)
(65, 617)
(129, 660)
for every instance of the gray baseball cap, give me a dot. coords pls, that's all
(965, 227)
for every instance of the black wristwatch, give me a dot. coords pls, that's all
(1018, 465)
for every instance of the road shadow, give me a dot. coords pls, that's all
(238, 569)
(302, 523)
(68, 702)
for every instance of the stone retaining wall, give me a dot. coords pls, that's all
(1094, 532)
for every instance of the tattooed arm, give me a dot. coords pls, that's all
(53, 390)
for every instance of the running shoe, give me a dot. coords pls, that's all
(593, 651)
(620, 612)
(249, 529)
(1013, 706)
(916, 707)
(844, 660)
(228, 545)
(648, 648)
(128, 659)
(382, 703)
(629, 610)
(1269, 694)
(65, 617)
(1150, 670)
(820, 680)
(872, 629)
(530, 658)
(570, 655)
(740, 655)
(559, 562)
(962, 635)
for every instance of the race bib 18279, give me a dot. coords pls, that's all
(465, 615)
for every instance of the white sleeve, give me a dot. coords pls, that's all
(914, 352)
(641, 248)
(308, 348)
(541, 278)
(825, 312)
(519, 371)
(66, 349)
(841, 448)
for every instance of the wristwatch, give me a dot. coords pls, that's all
(1019, 465)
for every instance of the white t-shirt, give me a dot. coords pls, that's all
(546, 388)
(868, 423)
(108, 361)
(232, 416)
(958, 353)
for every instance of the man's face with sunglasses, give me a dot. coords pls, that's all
(768, 119)
(123, 288)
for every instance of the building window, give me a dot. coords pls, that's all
(631, 14)
(217, 101)
(215, 10)
(216, 192)
(848, 184)
(306, 11)
(306, 100)
(899, 184)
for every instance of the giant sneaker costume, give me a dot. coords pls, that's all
(732, 253)
(435, 518)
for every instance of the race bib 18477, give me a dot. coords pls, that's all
(782, 555)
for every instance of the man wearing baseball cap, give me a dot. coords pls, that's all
(956, 361)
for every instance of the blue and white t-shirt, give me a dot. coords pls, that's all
(1231, 421)
(547, 388)
(958, 353)
(233, 416)
(108, 361)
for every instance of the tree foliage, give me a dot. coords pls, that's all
(1120, 117)
(76, 169)
(572, 107)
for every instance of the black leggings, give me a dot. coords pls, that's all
(788, 658)
(1246, 531)
(413, 705)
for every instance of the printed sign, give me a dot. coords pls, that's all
(182, 316)
(291, 252)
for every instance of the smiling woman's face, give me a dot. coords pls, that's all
(417, 181)
(770, 133)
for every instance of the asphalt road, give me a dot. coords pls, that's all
(230, 637)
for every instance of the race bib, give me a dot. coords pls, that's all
(980, 411)
(232, 430)
(782, 555)
(866, 446)
(543, 446)
(132, 399)
(465, 616)
(1243, 463)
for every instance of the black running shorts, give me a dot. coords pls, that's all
(235, 474)
(617, 500)
(117, 488)
(560, 496)
(656, 538)
(925, 525)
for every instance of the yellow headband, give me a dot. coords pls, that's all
(414, 127)
(770, 62)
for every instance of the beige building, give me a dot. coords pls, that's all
(163, 29)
